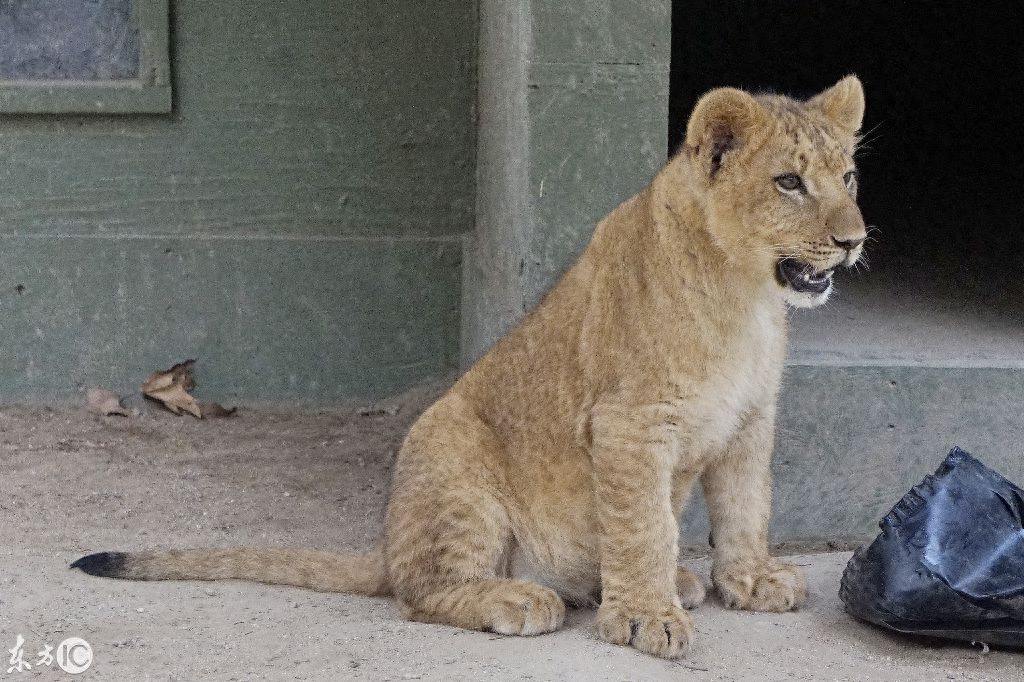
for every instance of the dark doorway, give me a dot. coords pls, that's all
(942, 169)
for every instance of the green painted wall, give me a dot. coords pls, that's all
(295, 223)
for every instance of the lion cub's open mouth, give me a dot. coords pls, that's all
(803, 277)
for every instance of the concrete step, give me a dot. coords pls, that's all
(850, 441)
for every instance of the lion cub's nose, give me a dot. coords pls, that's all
(848, 244)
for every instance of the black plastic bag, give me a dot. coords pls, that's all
(949, 561)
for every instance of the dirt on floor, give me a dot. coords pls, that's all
(73, 483)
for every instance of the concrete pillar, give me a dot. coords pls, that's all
(573, 116)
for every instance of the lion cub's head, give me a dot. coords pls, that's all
(779, 182)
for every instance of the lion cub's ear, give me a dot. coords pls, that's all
(842, 104)
(721, 121)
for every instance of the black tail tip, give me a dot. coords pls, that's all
(105, 564)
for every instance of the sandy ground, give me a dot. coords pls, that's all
(72, 483)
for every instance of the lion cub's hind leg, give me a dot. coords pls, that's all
(690, 588)
(508, 607)
(449, 536)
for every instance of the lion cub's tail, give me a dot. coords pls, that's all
(322, 571)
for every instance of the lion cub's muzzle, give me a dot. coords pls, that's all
(808, 284)
(852, 246)
(811, 282)
(803, 277)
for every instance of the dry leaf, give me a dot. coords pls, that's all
(104, 403)
(171, 387)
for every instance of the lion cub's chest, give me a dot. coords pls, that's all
(743, 376)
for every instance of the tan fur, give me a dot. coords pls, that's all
(558, 465)
(323, 571)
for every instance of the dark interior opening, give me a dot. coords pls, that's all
(942, 168)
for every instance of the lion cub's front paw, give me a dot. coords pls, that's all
(760, 585)
(665, 632)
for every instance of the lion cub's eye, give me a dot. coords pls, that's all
(789, 182)
(849, 179)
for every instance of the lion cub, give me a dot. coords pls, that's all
(557, 467)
